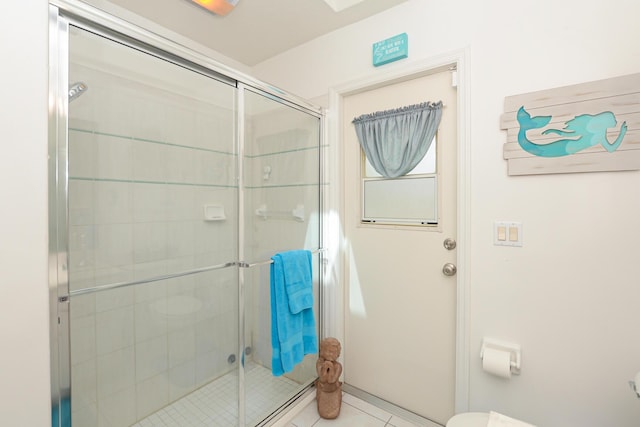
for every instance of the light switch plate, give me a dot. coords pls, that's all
(507, 233)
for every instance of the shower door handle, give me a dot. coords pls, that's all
(449, 269)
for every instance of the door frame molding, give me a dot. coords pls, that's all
(334, 296)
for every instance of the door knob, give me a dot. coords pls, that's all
(449, 269)
(449, 244)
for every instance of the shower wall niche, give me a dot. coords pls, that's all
(180, 184)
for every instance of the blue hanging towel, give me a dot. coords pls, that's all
(298, 280)
(293, 327)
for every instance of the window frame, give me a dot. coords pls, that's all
(427, 224)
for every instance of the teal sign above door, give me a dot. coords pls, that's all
(391, 49)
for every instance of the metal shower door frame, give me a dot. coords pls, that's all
(62, 14)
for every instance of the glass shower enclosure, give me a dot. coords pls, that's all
(173, 182)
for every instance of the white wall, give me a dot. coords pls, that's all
(568, 295)
(24, 333)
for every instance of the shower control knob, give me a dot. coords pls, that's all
(449, 269)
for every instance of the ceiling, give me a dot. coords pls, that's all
(256, 30)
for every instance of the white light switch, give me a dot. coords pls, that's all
(507, 233)
(513, 234)
(502, 233)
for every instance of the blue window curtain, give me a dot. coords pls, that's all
(395, 141)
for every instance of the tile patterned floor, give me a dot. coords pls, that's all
(353, 413)
(215, 405)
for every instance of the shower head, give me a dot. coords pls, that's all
(77, 89)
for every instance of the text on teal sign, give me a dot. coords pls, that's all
(390, 50)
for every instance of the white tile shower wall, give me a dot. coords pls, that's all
(289, 156)
(141, 169)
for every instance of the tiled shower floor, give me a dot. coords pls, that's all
(215, 404)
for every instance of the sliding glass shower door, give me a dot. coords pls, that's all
(173, 186)
(281, 204)
(153, 199)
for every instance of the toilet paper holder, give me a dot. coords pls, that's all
(513, 349)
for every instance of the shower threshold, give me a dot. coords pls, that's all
(213, 405)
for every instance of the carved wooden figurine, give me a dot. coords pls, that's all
(328, 388)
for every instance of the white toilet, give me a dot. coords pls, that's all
(482, 419)
(469, 419)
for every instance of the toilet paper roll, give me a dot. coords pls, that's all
(497, 362)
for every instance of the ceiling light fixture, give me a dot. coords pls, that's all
(340, 5)
(219, 7)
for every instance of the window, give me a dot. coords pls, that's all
(407, 200)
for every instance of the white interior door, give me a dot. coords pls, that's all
(400, 308)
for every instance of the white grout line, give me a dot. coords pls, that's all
(213, 404)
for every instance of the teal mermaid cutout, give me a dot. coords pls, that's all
(579, 133)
